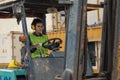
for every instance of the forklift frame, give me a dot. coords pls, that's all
(76, 57)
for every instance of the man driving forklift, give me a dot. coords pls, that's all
(37, 38)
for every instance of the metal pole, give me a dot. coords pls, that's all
(116, 66)
(98, 12)
(4, 6)
(25, 32)
(104, 36)
(74, 38)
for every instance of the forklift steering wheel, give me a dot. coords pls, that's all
(52, 44)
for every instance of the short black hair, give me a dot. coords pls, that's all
(36, 20)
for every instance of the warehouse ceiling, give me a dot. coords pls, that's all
(36, 7)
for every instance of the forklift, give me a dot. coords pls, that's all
(75, 64)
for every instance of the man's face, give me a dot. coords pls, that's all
(39, 27)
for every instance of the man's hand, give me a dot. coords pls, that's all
(40, 44)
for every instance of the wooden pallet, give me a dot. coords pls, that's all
(3, 65)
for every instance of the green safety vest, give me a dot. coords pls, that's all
(41, 51)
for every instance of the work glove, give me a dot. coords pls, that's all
(40, 44)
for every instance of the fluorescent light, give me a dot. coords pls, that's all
(5, 1)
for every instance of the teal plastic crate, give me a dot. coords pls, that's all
(11, 74)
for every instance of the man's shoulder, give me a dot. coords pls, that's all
(44, 35)
(30, 33)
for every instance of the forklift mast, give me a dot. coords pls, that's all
(75, 38)
(110, 40)
(77, 59)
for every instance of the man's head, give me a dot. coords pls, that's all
(37, 25)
